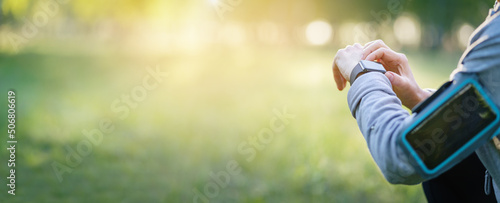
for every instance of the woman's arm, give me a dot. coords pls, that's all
(381, 118)
(377, 108)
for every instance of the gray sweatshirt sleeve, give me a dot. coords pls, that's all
(381, 118)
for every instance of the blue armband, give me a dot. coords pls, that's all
(450, 125)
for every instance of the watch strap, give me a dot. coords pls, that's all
(355, 72)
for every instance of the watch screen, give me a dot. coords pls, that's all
(450, 126)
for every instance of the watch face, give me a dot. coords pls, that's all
(365, 66)
(372, 66)
(451, 126)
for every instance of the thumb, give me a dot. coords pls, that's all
(397, 81)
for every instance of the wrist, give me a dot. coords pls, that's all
(424, 95)
(360, 74)
(420, 96)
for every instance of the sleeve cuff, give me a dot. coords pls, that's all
(365, 84)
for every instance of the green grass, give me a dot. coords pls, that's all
(192, 124)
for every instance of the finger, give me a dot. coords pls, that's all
(339, 79)
(343, 82)
(357, 45)
(377, 44)
(371, 42)
(377, 54)
(397, 81)
(378, 41)
(386, 57)
(390, 76)
(383, 54)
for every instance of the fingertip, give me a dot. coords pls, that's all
(368, 44)
(365, 51)
(389, 75)
(337, 81)
(369, 57)
(340, 83)
(342, 87)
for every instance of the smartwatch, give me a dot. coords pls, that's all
(364, 67)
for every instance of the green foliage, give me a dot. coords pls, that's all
(191, 125)
(445, 13)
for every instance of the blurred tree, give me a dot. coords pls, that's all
(441, 12)
(442, 15)
(446, 12)
(446, 15)
(16, 8)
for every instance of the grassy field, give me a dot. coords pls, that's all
(193, 123)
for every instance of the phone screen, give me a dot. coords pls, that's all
(451, 126)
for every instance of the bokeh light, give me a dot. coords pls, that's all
(407, 30)
(346, 32)
(319, 32)
(463, 34)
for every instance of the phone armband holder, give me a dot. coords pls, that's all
(450, 125)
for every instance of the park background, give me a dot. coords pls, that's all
(233, 66)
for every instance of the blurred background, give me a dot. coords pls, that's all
(231, 64)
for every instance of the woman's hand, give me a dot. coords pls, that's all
(398, 72)
(344, 62)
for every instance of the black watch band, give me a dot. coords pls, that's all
(364, 67)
